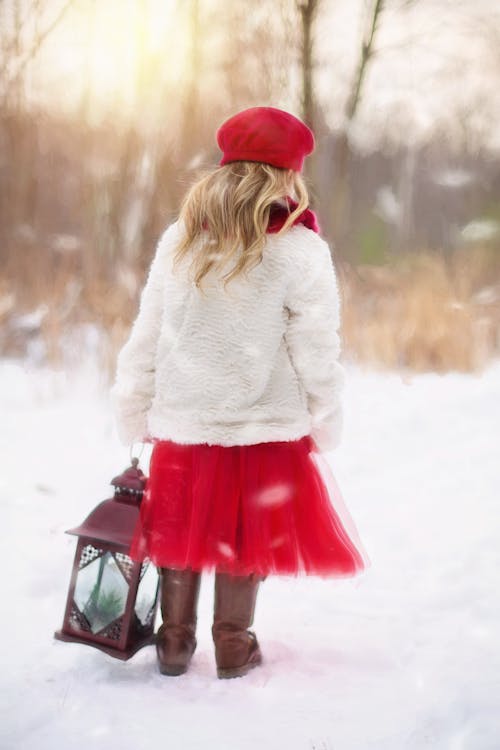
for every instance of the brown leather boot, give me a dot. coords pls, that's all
(175, 638)
(236, 648)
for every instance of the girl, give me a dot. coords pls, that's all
(232, 371)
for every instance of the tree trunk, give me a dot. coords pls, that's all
(341, 203)
(307, 10)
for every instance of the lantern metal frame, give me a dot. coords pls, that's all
(109, 529)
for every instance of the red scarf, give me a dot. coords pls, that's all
(279, 215)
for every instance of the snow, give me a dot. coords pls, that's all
(405, 656)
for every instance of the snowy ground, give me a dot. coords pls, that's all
(404, 657)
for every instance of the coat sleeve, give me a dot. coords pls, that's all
(313, 341)
(132, 392)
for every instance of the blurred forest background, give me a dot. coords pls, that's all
(108, 109)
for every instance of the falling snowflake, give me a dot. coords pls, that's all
(226, 549)
(252, 350)
(275, 494)
(278, 540)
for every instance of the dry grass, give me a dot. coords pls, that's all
(425, 312)
(422, 313)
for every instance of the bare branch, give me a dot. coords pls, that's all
(366, 53)
(21, 24)
(38, 41)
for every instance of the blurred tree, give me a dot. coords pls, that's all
(191, 120)
(308, 11)
(340, 213)
(24, 32)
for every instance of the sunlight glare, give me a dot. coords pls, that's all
(119, 54)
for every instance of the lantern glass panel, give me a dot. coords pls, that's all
(101, 592)
(146, 594)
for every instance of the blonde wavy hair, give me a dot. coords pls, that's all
(228, 208)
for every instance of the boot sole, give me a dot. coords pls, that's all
(173, 670)
(238, 671)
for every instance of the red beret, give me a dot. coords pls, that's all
(265, 134)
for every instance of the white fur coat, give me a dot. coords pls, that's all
(258, 362)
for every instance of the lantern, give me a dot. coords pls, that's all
(112, 600)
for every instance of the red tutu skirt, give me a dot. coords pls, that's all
(264, 508)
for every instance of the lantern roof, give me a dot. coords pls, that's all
(111, 522)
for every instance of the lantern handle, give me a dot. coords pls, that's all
(140, 454)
